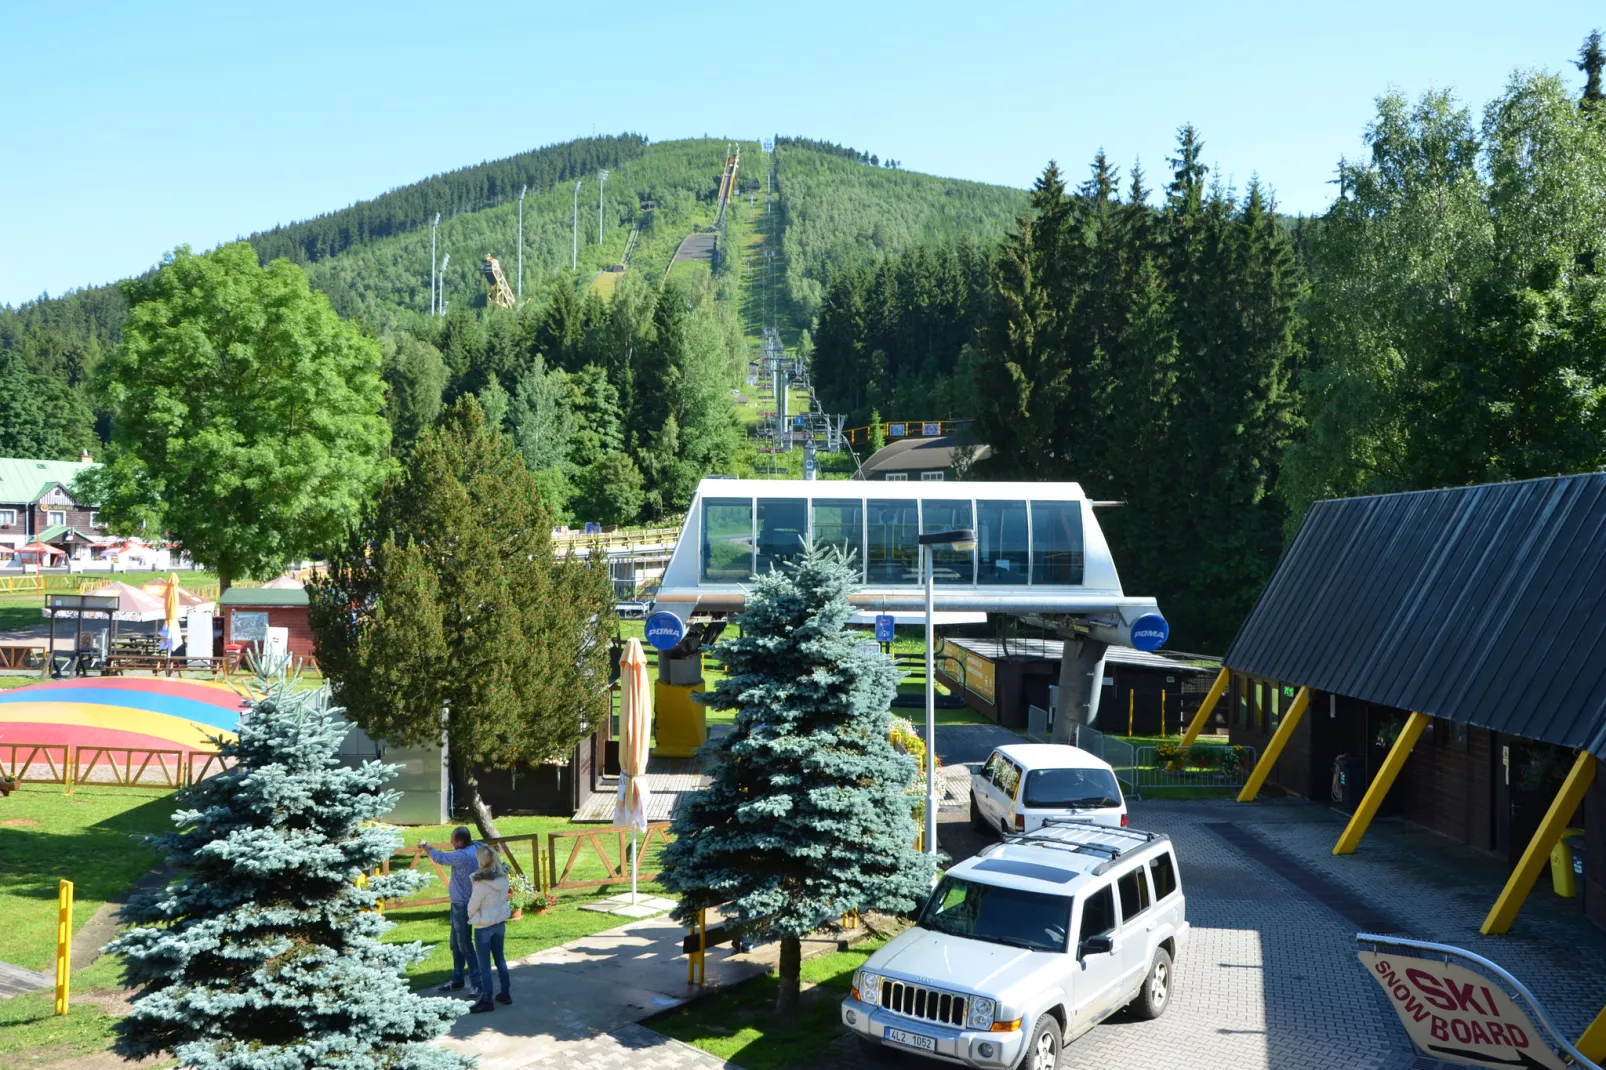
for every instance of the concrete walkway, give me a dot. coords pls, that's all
(571, 1003)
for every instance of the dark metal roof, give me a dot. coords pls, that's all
(1485, 605)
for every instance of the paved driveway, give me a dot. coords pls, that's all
(1270, 980)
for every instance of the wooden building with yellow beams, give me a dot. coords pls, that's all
(1440, 656)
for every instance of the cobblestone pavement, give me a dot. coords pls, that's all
(633, 1046)
(1270, 980)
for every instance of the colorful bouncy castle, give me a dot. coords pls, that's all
(146, 712)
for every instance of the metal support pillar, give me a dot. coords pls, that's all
(1207, 707)
(1274, 749)
(1361, 820)
(1081, 674)
(1593, 1043)
(1537, 854)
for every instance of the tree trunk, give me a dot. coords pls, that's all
(224, 582)
(478, 808)
(791, 972)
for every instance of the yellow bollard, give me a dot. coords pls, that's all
(1162, 713)
(1131, 700)
(63, 943)
(66, 772)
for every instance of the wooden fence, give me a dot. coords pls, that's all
(22, 655)
(128, 766)
(617, 872)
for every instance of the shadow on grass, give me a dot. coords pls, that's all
(739, 1023)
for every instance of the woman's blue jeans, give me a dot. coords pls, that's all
(488, 944)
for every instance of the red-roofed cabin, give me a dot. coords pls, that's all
(250, 612)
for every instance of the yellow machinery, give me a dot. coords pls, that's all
(501, 293)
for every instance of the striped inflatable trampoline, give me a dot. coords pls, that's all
(146, 712)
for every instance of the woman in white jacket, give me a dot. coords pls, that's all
(488, 911)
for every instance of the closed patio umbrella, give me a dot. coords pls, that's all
(171, 635)
(635, 727)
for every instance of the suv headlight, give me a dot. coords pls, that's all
(981, 1012)
(869, 986)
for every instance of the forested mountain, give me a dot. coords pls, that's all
(839, 213)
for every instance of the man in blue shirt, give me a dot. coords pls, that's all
(463, 862)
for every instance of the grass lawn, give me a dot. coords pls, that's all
(30, 1031)
(88, 837)
(533, 932)
(737, 1023)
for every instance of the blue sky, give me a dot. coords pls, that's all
(132, 128)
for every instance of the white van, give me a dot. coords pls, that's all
(1022, 784)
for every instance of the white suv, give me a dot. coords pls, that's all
(1023, 784)
(1026, 946)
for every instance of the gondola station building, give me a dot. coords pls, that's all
(1440, 656)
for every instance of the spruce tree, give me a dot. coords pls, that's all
(448, 596)
(265, 953)
(808, 815)
(1592, 61)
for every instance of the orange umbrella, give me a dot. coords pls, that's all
(635, 727)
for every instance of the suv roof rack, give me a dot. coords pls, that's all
(1113, 842)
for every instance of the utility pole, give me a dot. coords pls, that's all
(522, 192)
(602, 176)
(432, 227)
(446, 259)
(574, 257)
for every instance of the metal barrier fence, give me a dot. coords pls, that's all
(1037, 726)
(1200, 766)
(1121, 755)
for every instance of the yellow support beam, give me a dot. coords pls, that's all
(63, 943)
(1207, 707)
(1537, 854)
(1274, 749)
(1592, 1045)
(1362, 818)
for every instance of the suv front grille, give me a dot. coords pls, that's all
(926, 1004)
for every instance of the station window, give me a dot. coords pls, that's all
(931, 477)
(1001, 542)
(727, 540)
(893, 553)
(840, 523)
(948, 565)
(782, 529)
(1057, 542)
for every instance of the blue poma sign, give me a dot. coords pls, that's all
(1150, 631)
(665, 630)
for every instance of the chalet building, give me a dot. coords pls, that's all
(1478, 607)
(37, 505)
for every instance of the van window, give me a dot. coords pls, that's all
(1165, 876)
(1098, 913)
(1062, 788)
(1134, 893)
(1008, 777)
(988, 771)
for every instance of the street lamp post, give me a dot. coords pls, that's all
(964, 541)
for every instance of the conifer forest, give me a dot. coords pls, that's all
(1148, 329)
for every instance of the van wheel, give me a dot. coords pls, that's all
(1156, 991)
(977, 822)
(1043, 1050)
(875, 1051)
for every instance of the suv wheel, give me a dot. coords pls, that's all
(876, 1052)
(1156, 990)
(1043, 1051)
(978, 823)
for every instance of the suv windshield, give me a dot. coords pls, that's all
(1066, 788)
(1029, 920)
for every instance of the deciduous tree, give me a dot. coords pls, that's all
(247, 418)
